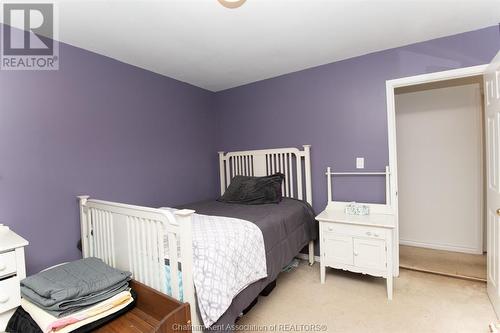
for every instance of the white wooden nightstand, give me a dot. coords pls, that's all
(12, 270)
(362, 244)
(359, 243)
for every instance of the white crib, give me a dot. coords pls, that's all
(135, 238)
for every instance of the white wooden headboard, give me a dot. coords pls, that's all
(295, 164)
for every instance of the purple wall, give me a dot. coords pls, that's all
(339, 108)
(99, 127)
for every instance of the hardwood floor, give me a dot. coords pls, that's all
(463, 265)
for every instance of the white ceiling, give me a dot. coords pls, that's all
(210, 46)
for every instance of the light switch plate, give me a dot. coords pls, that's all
(360, 162)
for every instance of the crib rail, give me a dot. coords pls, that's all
(133, 238)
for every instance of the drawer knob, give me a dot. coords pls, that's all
(355, 254)
(4, 299)
(330, 228)
(3, 267)
(368, 233)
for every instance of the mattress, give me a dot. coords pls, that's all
(287, 228)
(168, 281)
(228, 255)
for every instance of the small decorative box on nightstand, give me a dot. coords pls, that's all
(12, 270)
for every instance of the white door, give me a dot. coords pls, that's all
(492, 126)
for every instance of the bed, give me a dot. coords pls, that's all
(156, 244)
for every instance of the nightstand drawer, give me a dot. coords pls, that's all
(7, 263)
(10, 294)
(355, 230)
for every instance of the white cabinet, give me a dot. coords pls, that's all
(362, 244)
(12, 270)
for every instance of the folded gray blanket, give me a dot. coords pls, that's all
(68, 307)
(71, 287)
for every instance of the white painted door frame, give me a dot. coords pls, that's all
(391, 85)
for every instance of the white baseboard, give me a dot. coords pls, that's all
(305, 256)
(444, 247)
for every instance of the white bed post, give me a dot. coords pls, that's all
(307, 170)
(84, 226)
(183, 217)
(222, 173)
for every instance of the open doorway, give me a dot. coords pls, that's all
(440, 142)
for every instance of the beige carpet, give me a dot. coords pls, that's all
(443, 262)
(351, 303)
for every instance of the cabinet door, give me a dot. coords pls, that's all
(370, 254)
(338, 249)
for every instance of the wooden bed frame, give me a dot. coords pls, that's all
(132, 237)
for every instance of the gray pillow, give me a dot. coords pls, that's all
(254, 190)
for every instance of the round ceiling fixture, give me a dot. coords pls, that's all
(232, 4)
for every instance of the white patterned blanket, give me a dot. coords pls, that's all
(228, 256)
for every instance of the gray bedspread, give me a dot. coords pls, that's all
(287, 227)
(70, 287)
